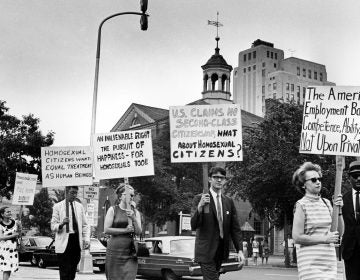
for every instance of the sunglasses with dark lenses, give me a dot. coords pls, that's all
(355, 175)
(218, 177)
(314, 180)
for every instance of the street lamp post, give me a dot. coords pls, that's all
(86, 260)
(143, 23)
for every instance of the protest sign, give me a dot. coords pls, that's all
(331, 121)
(91, 192)
(24, 190)
(206, 133)
(66, 166)
(123, 154)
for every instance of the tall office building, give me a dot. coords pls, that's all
(263, 73)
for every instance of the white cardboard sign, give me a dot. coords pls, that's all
(123, 154)
(331, 121)
(24, 190)
(206, 133)
(66, 166)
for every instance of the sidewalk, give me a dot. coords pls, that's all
(278, 262)
(27, 272)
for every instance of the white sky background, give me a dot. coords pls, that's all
(48, 47)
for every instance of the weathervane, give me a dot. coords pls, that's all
(216, 23)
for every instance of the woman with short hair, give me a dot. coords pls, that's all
(316, 257)
(9, 256)
(121, 263)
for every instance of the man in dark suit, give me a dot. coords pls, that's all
(351, 215)
(214, 229)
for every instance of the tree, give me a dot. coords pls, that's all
(20, 147)
(271, 155)
(42, 211)
(172, 188)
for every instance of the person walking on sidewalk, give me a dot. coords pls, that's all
(9, 256)
(311, 226)
(265, 252)
(68, 245)
(214, 229)
(351, 214)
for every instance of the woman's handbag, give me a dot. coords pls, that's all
(134, 245)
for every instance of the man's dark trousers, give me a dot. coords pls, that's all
(69, 260)
(210, 271)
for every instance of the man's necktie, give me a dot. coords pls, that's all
(74, 222)
(219, 216)
(357, 207)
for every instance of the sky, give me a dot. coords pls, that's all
(48, 48)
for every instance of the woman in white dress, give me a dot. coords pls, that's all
(316, 257)
(9, 257)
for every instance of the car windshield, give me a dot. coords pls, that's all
(182, 246)
(43, 242)
(96, 244)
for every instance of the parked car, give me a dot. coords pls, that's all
(47, 257)
(172, 257)
(31, 244)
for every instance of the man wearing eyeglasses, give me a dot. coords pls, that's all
(214, 229)
(351, 216)
(68, 244)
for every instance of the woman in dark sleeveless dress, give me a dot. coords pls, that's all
(120, 262)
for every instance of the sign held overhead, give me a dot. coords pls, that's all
(206, 133)
(123, 154)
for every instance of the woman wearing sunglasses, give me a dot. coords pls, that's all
(121, 261)
(316, 257)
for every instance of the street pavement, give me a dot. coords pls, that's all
(276, 263)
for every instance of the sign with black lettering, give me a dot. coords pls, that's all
(24, 190)
(91, 192)
(206, 133)
(66, 166)
(123, 154)
(331, 121)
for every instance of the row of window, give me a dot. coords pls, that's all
(269, 54)
(254, 68)
(309, 74)
(249, 68)
(248, 55)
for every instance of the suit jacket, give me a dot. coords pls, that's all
(352, 228)
(207, 229)
(61, 236)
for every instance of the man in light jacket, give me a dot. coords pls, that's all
(68, 245)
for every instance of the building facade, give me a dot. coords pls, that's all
(264, 73)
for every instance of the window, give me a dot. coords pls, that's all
(249, 69)
(263, 64)
(263, 90)
(272, 55)
(287, 86)
(244, 57)
(292, 87)
(274, 65)
(267, 53)
(315, 75)
(263, 72)
(274, 86)
(287, 96)
(298, 71)
(304, 92)
(269, 87)
(275, 55)
(257, 226)
(244, 70)
(254, 67)
(321, 76)
(304, 72)
(254, 54)
(249, 56)
(274, 95)
(309, 74)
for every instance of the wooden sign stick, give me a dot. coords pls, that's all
(127, 198)
(66, 209)
(205, 168)
(340, 163)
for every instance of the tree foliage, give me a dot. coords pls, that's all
(20, 147)
(271, 155)
(42, 211)
(172, 188)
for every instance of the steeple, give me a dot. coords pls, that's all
(216, 75)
